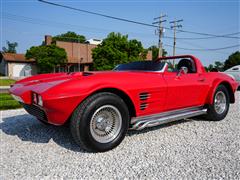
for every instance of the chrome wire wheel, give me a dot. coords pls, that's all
(220, 102)
(105, 124)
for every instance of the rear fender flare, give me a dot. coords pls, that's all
(215, 84)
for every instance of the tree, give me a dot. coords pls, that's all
(155, 51)
(210, 67)
(218, 65)
(11, 47)
(70, 37)
(47, 57)
(233, 60)
(117, 49)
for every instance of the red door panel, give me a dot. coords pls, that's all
(186, 90)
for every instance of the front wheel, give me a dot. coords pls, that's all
(100, 123)
(220, 105)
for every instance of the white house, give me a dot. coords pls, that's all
(16, 65)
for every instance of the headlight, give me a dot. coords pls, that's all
(40, 101)
(37, 99)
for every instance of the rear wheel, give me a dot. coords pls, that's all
(220, 105)
(100, 123)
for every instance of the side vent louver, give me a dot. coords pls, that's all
(143, 97)
(143, 106)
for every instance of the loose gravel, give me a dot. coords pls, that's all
(188, 149)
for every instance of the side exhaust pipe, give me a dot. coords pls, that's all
(140, 123)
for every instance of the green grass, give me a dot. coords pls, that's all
(6, 82)
(7, 102)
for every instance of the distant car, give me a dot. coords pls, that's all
(101, 106)
(234, 72)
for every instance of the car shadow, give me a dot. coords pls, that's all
(27, 128)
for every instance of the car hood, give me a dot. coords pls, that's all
(64, 82)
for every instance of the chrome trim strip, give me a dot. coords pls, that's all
(140, 123)
(17, 98)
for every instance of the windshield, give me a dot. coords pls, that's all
(141, 66)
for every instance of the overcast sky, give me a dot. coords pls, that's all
(26, 22)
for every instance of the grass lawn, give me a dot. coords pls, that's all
(7, 102)
(6, 82)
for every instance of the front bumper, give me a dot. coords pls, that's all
(35, 111)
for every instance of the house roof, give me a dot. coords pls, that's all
(12, 57)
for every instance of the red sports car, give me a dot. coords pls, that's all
(101, 106)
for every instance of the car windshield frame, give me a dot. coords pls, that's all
(145, 66)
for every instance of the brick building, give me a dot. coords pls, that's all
(79, 58)
(79, 55)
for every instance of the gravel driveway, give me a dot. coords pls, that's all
(188, 149)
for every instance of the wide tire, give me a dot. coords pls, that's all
(220, 105)
(100, 122)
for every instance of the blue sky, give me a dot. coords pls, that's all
(27, 21)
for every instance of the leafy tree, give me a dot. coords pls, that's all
(11, 47)
(47, 57)
(218, 65)
(233, 60)
(117, 49)
(210, 67)
(206, 68)
(70, 37)
(155, 51)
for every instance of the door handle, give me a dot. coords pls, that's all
(201, 79)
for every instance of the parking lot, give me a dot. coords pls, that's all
(188, 149)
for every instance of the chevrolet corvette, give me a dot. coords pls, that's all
(100, 107)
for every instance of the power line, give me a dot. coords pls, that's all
(45, 22)
(213, 49)
(98, 14)
(25, 19)
(199, 38)
(207, 34)
(200, 46)
(130, 21)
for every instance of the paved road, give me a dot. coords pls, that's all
(192, 149)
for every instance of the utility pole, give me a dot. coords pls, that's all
(159, 20)
(174, 27)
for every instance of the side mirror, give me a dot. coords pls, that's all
(183, 70)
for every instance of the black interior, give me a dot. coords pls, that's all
(188, 63)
